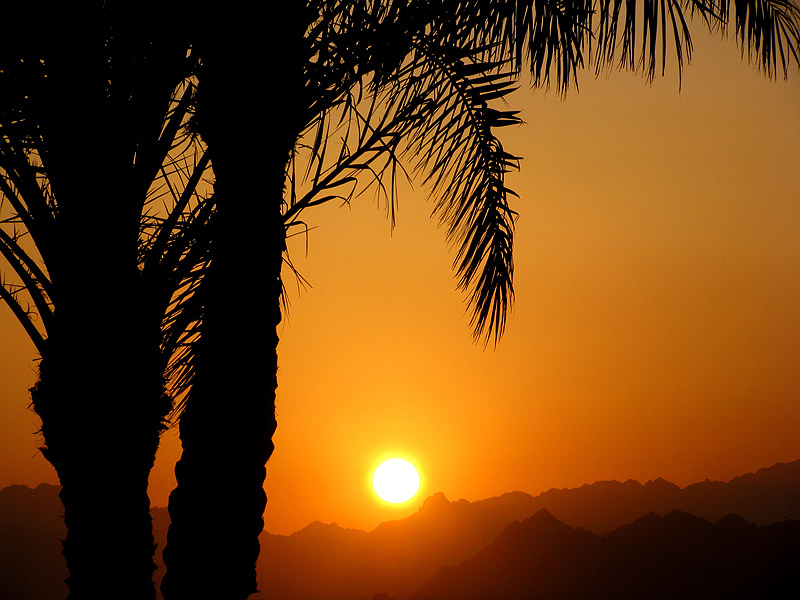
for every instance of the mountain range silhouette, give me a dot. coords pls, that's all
(609, 539)
(659, 558)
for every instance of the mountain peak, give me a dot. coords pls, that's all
(319, 529)
(733, 522)
(542, 522)
(435, 502)
(544, 515)
(662, 485)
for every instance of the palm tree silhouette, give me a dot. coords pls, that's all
(94, 99)
(355, 88)
(92, 142)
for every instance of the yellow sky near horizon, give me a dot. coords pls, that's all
(656, 331)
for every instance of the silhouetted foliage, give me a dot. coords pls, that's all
(117, 295)
(362, 91)
(100, 222)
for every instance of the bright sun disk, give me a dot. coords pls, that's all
(396, 480)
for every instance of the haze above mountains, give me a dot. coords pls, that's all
(606, 539)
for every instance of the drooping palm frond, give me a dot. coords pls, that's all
(33, 283)
(9, 293)
(427, 100)
(434, 111)
(449, 129)
(25, 224)
(552, 39)
(190, 246)
(768, 32)
(565, 35)
(663, 25)
(25, 187)
(174, 241)
(545, 37)
(355, 137)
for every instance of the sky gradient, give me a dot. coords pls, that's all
(656, 330)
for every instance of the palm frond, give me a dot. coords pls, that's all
(355, 137)
(663, 29)
(768, 32)
(432, 106)
(24, 186)
(175, 258)
(448, 126)
(34, 281)
(546, 36)
(26, 317)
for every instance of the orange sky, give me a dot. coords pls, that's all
(656, 330)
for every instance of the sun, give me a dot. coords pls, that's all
(396, 480)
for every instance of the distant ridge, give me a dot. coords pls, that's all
(325, 561)
(400, 556)
(31, 530)
(768, 495)
(659, 558)
(332, 563)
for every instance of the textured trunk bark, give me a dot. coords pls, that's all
(101, 400)
(226, 429)
(96, 102)
(101, 390)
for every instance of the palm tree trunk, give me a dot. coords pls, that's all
(226, 428)
(101, 399)
(101, 394)
(96, 89)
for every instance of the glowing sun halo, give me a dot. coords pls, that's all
(396, 480)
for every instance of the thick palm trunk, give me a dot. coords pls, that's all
(101, 393)
(92, 84)
(101, 400)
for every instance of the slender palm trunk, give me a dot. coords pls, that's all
(226, 429)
